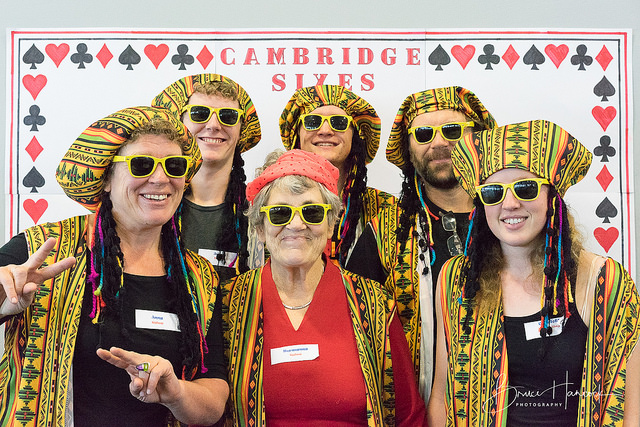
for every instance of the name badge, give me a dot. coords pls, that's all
(149, 319)
(294, 353)
(532, 329)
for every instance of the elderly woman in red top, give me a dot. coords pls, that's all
(309, 342)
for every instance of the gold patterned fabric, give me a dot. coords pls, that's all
(403, 277)
(176, 96)
(374, 201)
(477, 373)
(307, 99)
(81, 172)
(371, 312)
(39, 344)
(447, 98)
(538, 146)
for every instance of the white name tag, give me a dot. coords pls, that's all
(148, 319)
(532, 329)
(219, 258)
(294, 353)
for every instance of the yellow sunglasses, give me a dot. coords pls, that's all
(337, 122)
(202, 113)
(523, 189)
(450, 131)
(311, 213)
(141, 166)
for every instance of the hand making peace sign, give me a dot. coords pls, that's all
(20, 282)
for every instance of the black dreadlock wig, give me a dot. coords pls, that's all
(106, 276)
(409, 202)
(235, 203)
(355, 187)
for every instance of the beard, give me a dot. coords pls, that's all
(438, 176)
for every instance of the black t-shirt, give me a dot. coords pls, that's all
(101, 394)
(209, 231)
(544, 391)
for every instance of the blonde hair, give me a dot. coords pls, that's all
(220, 88)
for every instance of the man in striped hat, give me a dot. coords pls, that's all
(406, 244)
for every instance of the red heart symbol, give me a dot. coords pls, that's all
(557, 53)
(156, 53)
(463, 54)
(604, 116)
(57, 53)
(34, 84)
(35, 209)
(607, 237)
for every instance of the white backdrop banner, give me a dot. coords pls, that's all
(60, 81)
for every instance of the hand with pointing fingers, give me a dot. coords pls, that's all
(155, 383)
(20, 282)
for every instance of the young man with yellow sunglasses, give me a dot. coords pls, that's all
(337, 124)
(221, 116)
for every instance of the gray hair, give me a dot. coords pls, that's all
(296, 184)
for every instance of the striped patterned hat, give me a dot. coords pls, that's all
(446, 98)
(307, 99)
(539, 146)
(81, 172)
(176, 96)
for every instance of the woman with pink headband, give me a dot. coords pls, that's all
(308, 341)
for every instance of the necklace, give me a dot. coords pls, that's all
(297, 307)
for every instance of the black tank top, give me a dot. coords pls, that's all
(544, 391)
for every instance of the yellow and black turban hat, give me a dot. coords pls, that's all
(176, 96)
(447, 98)
(307, 99)
(81, 172)
(539, 146)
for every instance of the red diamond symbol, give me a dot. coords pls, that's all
(604, 178)
(204, 57)
(604, 58)
(511, 57)
(33, 148)
(104, 56)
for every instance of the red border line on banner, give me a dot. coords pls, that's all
(626, 148)
(11, 124)
(316, 32)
